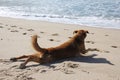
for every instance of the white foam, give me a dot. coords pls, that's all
(89, 21)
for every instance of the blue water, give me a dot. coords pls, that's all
(98, 13)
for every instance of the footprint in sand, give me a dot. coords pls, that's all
(106, 51)
(1, 26)
(68, 66)
(43, 71)
(14, 31)
(42, 32)
(6, 25)
(20, 28)
(54, 40)
(66, 71)
(106, 35)
(55, 34)
(51, 39)
(30, 30)
(92, 42)
(24, 33)
(71, 65)
(114, 46)
(14, 26)
(8, 28)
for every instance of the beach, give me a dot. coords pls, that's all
(99, 64)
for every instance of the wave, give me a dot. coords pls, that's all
(71, 13)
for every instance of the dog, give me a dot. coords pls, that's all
(71, 48)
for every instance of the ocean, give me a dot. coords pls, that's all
(97, 13)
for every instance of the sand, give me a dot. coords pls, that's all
(103, 63)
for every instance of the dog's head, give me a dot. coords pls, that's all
(82, 33)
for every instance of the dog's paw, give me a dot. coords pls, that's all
(22, 66)
(13, 59)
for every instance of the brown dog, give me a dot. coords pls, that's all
(71, 48)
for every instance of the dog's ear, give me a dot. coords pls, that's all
(75, 31)
(86, 31)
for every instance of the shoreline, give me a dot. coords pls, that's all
(68, 23)
(15, 40)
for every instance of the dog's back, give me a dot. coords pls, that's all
(70, 48)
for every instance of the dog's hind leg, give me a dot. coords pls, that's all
(20, 57)
(33, 58)
(23, 65)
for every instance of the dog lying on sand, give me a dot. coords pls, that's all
(71, 48)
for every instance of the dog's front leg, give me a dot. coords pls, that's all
(92, 49)
(83, 49)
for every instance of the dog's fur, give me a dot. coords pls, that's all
(71, 48)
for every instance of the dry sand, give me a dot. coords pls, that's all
(103, 63)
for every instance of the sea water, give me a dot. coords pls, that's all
(97, 13)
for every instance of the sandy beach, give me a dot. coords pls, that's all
(100, 64)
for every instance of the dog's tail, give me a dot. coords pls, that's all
(36, 46)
